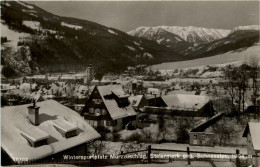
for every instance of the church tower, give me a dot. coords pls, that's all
(89, 74)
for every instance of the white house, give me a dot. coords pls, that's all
(252, 133)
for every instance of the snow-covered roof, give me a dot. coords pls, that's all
(34, 133)
(153, 90)
(14, 119)
(64, 125)
(114, 110)
(120, 93)
(253, 129)
(184, 101)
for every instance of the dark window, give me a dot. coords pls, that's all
(71, 134)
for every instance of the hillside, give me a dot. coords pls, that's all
(232, 57)
(36, 41)
(239, 39)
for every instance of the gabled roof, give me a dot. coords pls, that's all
(254, 129)
(184, 101)
(135, 100)
(14, 120)
(114, 110)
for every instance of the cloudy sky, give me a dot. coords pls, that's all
(129, 15)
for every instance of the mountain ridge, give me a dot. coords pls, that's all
(191, 34)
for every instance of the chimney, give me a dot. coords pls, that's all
(33, 114)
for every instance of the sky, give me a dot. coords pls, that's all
(129, 15)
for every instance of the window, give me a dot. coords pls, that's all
(91, 123)
(98, 101)
(111, 123)
(91, 110)
(71, 134)
(108, 123)
(195, 137)
(104, 112)
(97, 111)
(203, 137)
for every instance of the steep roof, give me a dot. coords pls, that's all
(135, 100)
(14, 121)
(111, 104)
(184, 101)
(254, 129)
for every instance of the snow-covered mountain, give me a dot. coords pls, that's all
(246, 28)
(193, 35)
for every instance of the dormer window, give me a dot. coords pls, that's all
(35, 136)
(66, 128)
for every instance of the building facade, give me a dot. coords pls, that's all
(108, 108)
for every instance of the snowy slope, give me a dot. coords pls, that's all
(226, 58)
(246, 28)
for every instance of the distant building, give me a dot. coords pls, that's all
(108, 107)
(252, 133)
(89, 74)
(138, 101)
(103, 81)
(181, 105)
(43, 133)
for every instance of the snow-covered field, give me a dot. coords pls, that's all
(35, 25)
(112, 32)
(12, 36)
(226, 58)
(76, 27)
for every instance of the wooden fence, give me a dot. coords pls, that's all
(239, 159)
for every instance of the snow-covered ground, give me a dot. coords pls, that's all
(112, 32)
(35, 25)
(76, 27)
(220, 60)
(25, 5)
(12, 36)
(131, 48)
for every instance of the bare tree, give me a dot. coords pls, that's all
(254, 71)
(236, 79)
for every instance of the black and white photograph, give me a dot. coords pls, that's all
(142, 83)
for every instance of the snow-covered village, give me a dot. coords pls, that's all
(87, 83)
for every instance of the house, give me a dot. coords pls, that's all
(252, 133)
(203, 134)
(43, 132)
(181, 105)
(194, 105)
(103, 81)
(10, 99)
(155, 101)
(138, 101)
(154, 91)
(109, 108)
